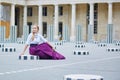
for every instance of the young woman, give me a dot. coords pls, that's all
(40, 47)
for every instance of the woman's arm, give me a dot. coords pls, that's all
(27, 43)
(44, 40)
(24, 50)
(49, 44)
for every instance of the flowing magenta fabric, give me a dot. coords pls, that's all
(45, 51)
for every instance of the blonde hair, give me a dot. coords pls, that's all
(36, 26)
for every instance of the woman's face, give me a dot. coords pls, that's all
(34, 29)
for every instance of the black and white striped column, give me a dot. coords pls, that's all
(78, 33)
(25, 32)
(50, 33)
(13, 33)
(66, 33)
(2, 33)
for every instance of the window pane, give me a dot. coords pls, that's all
(29, 11)
(60, 10)
(44, 11)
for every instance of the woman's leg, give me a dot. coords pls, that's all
(49, 51)
(42, 55)
(44, 51)
(58, 55)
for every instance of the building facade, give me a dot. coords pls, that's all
(72, 20)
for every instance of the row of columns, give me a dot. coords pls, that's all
(91, 22)
(73, 20)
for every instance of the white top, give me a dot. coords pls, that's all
(37, 40)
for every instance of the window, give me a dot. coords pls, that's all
(44, 11)
(29, 11)
(60, 10)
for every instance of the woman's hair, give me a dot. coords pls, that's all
(36, 26)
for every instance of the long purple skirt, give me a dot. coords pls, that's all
(45, 51)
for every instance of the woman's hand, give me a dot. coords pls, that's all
(22, 54)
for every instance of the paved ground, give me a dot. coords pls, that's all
(98, 62)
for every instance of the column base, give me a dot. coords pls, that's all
(72, 38)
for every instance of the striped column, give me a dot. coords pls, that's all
(50, 32)
(109, 33)
(25, 32)
(66, 33)
(78, 33)
(2, 29)
(110, 24)
(13, 34)
(25, 27)
(2, 33)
